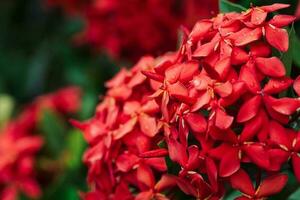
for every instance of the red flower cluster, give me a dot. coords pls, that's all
(132, 28)
(195, 119)
(19, 143)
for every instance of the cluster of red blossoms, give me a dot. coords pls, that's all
(19, 143)
(132, 28)
(195, 121)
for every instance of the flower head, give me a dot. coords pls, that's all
(196, 117)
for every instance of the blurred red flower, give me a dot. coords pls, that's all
(132, 28)
(20, 143)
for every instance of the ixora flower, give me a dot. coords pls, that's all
(194, 121)
(19, 143)
(132, 28)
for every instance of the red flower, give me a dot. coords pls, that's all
(19, 143)
(132, 28)
(202, 114)
(269, 186)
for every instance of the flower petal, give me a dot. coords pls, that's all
(249, 109)
(286, 106)
(224, 89)
(145, 175)
(212, 173)
(271, 66)
(242, 182)
(257, 154)
(277, 37)
(248, 77)
(272, 185)
(247, 36)
(196, 122)
(148, 124)
(258, 16)
(177, 152)
(124, 128)
(223, 121)
(282, 20)
(274, 7)
(275, 86)
(279, 135)
(230, 163)
(296, 85)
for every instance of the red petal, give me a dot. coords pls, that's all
(145, 175)
(223, 89)
(230, 163)
(186, 187)
(242, 182)
(124, 128)
(268, 101)
(247, 36)
(252, 127)
(296, 166)
(126, 161)
(196, 122)
(199, 30)
(189, 69)
(177, 152)
(223, 121)
(30, 187)
(249, 109)
(164, 106)
(223, 67)
(158, 164)
(260, 49)
(193, 161)
(272, 185)
(258, 155)
(248, 77)
(205, 49)
(274, 7)
(296, 85)
(212, 173)
(154, 153)
(148, 125)
(172, 73)
(277, 158)
(277, 37)
(239, 56)
(201, 101)
(238, 89)
(275, 86)
(146, 195)
(270, 66)
(282, 20)
(154, 76)
(178, 89)
(166, 181)
(286, 106)
(258, 16)
(279, 135)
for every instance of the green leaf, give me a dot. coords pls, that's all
(75, 148)
(173, 168)
(54, 130)
(296, 50)
(6, 108)
(227, 6)
(295, 195)
(232, 195)
(287, 57)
